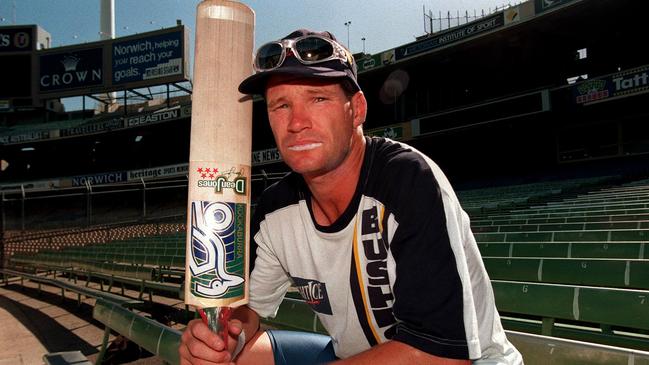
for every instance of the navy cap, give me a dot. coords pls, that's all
(335, 69)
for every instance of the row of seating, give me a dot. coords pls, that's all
(616, 273)
(506, 220)
(162, 250)
(58, 260)
(635, 235)
(550, 227)
(573, 208)
(582, 215)
(618, 250)
(34, 242)
(502, 197)
(628, 196)
(67, 285)
(586, 202)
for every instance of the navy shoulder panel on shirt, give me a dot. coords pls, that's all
(399, 176)
(287, 191)
(428, 290)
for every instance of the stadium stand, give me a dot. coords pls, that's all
(561, 266)
(549, 278)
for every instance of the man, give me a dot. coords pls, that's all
(369, 230)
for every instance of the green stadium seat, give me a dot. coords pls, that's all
(153, 336)
(577, 303)
(588, 272)
(539, 349)
(581, 236)
(617, 250)
(634, 235)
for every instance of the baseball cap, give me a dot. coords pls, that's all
(292, 66)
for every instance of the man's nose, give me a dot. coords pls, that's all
(299, 119)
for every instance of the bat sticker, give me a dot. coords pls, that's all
(217, 260)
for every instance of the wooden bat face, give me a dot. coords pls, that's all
(218, 207)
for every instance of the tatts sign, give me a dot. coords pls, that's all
(632, 82)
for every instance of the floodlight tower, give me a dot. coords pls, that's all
(107, 30)
(107, 20)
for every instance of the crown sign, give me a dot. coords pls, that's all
(70, 63)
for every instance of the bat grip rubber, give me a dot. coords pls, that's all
(217, 319)
(224, 318)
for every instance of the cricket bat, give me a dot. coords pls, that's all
(218, 210)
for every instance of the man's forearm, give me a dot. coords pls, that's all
(249, 320)
(395, 352)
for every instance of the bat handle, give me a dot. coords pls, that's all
(224, 318)
(217, 320)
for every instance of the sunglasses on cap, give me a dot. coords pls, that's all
(308, 50)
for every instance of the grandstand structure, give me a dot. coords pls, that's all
(536, 112)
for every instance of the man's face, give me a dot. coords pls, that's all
(312, 121)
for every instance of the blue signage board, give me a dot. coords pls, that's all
(453, 35)
(100, 179)
(147, 58)
(73, 69)
(543, 5)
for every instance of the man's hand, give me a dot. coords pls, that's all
(200, 346)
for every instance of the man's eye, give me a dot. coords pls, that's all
(319, 99)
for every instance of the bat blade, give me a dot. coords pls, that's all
(218, 208)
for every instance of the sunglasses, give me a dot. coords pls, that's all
(308, 49)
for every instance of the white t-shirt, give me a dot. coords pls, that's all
(401, 262)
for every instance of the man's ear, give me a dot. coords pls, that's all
(359, 107)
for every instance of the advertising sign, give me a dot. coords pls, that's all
(512, 15)
(543, 5)
(156, 172)
(93, 127)
(377, 60)
(627, 83)
(25, 137)
(161, 116)
(71, 69)
(396, 132)
(16, 39)
(451, 36)
(263, 157)
(99, 179)
(148, 58)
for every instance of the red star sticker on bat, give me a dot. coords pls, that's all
(203, 175)
(211, 176)
(199, 170)
(207, 170)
